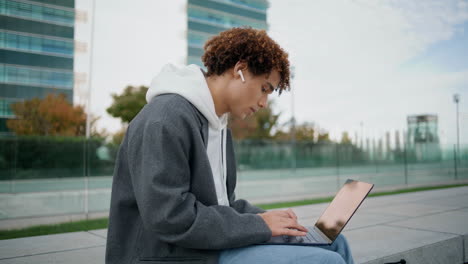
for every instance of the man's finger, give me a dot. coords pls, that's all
(301, 228)
(292, 232)
(295, 225)
(292, 214)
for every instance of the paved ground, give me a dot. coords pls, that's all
(421, 227)
(29, 201)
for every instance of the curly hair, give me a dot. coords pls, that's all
(261, 53)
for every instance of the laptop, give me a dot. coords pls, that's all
(333, 219)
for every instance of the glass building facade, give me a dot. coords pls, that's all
(36, 51)
(207, 18)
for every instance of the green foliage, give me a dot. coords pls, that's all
(257, 126)
(29, 157)
(52, 115)
(128, 104)
(118, 137)
(324, 137)
(266, 121)
(345, 139)
(306, 132)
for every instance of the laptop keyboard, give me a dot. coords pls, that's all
(311, 237)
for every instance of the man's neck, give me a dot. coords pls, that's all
(217, 85)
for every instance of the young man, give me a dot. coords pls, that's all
(173, 189)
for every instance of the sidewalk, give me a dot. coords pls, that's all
(420, 227)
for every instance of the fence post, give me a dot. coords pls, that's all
(455, 161)
(86, 174)
(337, 166)
(405, 161)
(15, 165)
(293, 155)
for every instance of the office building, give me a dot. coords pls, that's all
(209, 17)
(36, 51)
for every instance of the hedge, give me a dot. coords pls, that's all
(29, 157)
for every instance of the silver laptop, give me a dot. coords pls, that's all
(333, 219)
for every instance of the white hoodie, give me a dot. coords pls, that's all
(189, 82)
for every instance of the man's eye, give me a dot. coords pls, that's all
(264, 90)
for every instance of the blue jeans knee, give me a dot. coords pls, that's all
(322, 257)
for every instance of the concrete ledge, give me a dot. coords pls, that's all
(422, 227)
(382, 244)
(446, 251)
(77, 256)
(40, 245)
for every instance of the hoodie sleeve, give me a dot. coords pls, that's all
(244, 207)
(159, 158)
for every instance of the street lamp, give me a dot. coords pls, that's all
(88, 99)
(456, 99)
(293, 122)
(88, 113)
(362, 135)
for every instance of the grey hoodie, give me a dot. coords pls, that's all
(190, 83)
(164, 204)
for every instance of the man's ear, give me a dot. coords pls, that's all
(240, 70)
(241, 75)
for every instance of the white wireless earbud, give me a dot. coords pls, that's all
(241, 75)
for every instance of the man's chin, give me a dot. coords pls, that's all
(241, 116)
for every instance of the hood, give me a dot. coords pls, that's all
(188, 82)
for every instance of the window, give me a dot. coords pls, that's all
(37, 12)
(36, 44)
(36, 76)
(5, 106)
(223, 20)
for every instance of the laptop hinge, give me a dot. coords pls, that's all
(322, 235)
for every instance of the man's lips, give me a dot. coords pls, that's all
(253, 110)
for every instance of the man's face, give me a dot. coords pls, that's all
(249, 96)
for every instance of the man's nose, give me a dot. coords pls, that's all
(263, 102)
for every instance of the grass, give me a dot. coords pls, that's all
(41, 230)
(92, 224)
(329, 199)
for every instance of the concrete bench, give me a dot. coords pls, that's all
(421, 227)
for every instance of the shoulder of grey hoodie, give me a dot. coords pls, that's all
(170, 109)
(175, 110)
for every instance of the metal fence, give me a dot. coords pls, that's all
(43, 176)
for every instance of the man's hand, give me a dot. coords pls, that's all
(283, 222)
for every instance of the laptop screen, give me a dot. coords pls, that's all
(342, 208)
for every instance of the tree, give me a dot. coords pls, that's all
(118, 136)
(306, 132)
(53, 116)
(257, 126)
(128, 104)
(345, 139)
(242, 128)
(323, 137)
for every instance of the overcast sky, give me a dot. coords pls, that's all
(369, 62)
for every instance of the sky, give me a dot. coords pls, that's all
(360, 66)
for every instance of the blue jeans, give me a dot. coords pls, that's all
(338, 252)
